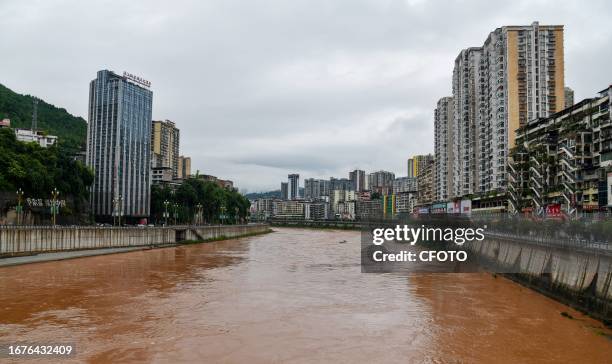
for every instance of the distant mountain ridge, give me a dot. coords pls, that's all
(269, 194)
(71, 130)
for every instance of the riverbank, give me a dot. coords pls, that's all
(573, 275)
(49, 257)
(29, 240)
(583, 302)
(82, 253)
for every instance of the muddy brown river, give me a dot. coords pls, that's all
(294, 295)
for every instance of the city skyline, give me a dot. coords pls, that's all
(376, 89)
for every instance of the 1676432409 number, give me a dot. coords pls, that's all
(22, 349)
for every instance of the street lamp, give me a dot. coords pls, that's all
(118, 206)
(236, 211)
(199, 219)
(54, 204)
(223, 208)
(166, 203)
(19, 208)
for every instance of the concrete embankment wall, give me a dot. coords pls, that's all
(580, 277)
(218, 232)
(30, 240)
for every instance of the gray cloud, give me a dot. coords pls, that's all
(264, 88)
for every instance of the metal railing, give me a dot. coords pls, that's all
(542, 240)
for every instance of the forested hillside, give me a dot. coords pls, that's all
(70, 129)
(38, 170)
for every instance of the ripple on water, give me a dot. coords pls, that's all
(293, 295)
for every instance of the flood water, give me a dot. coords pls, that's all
(294, 295)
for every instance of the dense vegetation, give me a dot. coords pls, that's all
(70, 129)
(192, 192)
(38, 170)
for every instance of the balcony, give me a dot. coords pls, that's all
(568, 176)
(535, 171)
(567, 164)
(567, 151)
(535, 182)
(568, 187)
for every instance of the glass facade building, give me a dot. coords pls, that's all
(119, 145)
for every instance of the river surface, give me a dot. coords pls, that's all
(295, 295)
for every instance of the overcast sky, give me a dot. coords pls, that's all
(261, 89)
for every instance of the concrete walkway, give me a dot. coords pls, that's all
(47, 257)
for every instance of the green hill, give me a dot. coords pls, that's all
(269, 194)
(70, 129)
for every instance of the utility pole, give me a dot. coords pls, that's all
(54, 204)
(175, 213)
(34, 114)
(19, 208)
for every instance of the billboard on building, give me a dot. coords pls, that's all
(438, 208)
(466, 207)
(553, 210)
(453, 207)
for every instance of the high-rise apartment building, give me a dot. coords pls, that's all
(516, 76)
(119, 144)
(284, 191)
(311, 189)
(444, 151)
(381, 182)
(344, 184)
(569, 97)
(425, 183)
(184, 167)
(414, 162)
(357, 177)
(467, 109)
(315, 188)
(165, 140)
(404, 184)
(293, 190)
